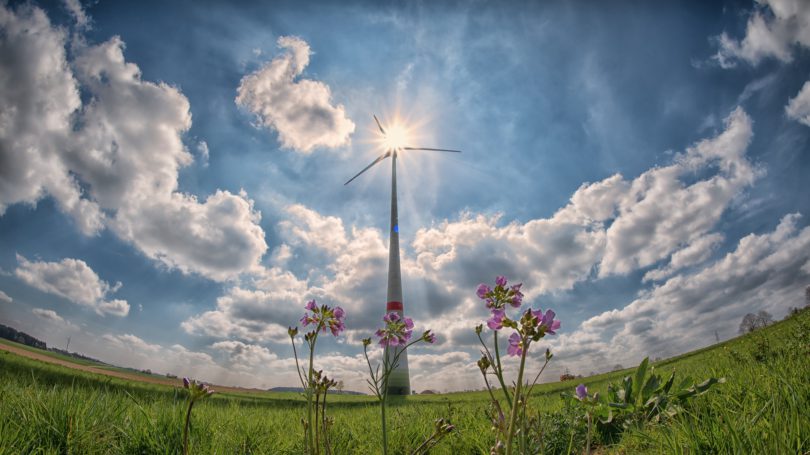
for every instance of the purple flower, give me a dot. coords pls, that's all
(550, 324)
(196, 389)
(546, 321)
(515, 345)
(517, 296)
(500, 280)
(397, 330)
(582, 392)
(324, 318)
(483, 290)
(496, 321)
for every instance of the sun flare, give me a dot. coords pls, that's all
(396, 136)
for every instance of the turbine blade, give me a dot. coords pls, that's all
(430, 149)
(379, 158)
(378, 124)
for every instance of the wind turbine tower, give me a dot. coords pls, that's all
(399, 383)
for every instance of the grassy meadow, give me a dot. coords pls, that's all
(763, 407)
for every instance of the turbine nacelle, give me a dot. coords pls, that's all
(394, 140)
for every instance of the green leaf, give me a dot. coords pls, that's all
(641, 371)
(628, 390)
(668, 384)
(651, 386)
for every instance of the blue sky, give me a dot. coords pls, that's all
(171, 176)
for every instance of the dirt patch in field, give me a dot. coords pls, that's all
(116, 374)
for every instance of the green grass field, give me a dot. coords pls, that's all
(763, 408)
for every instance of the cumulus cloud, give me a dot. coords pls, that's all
(798, 107)
(49, 315)
(75, 9)
(132, 351)
(114, 160)
(74, 280)
(616, 224)
(38, 96)
(5, 297)
(300, 110)
(764, 272)
(697, 252)
(244, 356)
(202, 149)
(261, 312)
(773, 29)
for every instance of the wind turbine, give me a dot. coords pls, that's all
(399, 382)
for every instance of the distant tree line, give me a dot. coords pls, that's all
(751, 321)
(15, 335)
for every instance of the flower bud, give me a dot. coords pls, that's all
(429, 337)
(479, 328)
(483, 364)
(366, 341)
(292, 331)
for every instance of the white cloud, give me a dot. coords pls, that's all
(244, 356)
(48, 314)
(616, 224)
(661, 214)
(73, 280)
(218, 238)
(5, 297)
(300, 111)
(798, 107)
(773, 29)
(695, 253)
(259, 314)
(38, 95)
(132, 343)
(113, 161)
(764, 272)
(75, 9)
(202, 149)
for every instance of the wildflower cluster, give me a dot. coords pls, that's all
(498, 297)
(397, 330)
(531, 326)
(396, 334)
(324, 318)
(395, 337)
(315, 384)
(196, 389)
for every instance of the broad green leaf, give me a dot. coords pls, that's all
(641, 371)
(652, 384)
(669, 382)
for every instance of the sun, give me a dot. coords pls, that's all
(396, 137)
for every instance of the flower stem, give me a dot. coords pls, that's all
(311, 434)
(513, 418)
(386, 371)
(185, 429)
(588, 443)
(499, 371)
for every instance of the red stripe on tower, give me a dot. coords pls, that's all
(393, 306)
